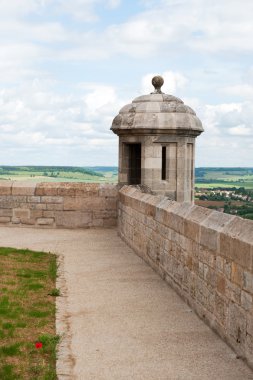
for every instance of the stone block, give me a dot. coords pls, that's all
(186, 280)
(73, 219)
(45, 221)
(47, 189)
(210, 229)
(48, 214)
(240, 252)
(249, 349)
(5, 212)
(54, 206)
(106, 190)
(210, 276)
(30, 206)
(5, 187)
(209, 238)
(227, 269)
(219, 263)
(164, 231)
(233, 292)
(220, 309)
(110, 222)
(28, 221)
(110, 203)
(148, 204)
(239, 228)
(201, 270)
(175, 217)
(193, 220)
(83, 204)
(21, 213)
(246, 301)
(9, 201)
(33, 199)
(51, 199)
(248, 281)
(5, 219)
(34, 214)
(40, 206)
(237, 274)
(161, 210)
(78, 189)
(99, 222)
(225, 244)
(250, 324)
(152, 250)
(236, 241)
(206, 270)
(191, 230)
(237, 323)
(193, 282)
(23, 188)
(221, 284)
(15, 220)
(105, 214)
(207, 257)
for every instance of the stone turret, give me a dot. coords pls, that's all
(157, 143)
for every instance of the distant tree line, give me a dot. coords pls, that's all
(48, 169)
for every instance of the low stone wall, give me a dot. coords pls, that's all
(206, 256)
(65, 205)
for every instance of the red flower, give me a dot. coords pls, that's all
(38, 345)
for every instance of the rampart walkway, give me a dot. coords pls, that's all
(123, 321)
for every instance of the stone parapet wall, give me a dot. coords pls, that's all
(206, 256)
(63, 205)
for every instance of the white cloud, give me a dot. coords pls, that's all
(213, 116)
(228, 135)
(241, 130)
(239, 91)
(210, 26)
(114, 3)
(13, 8)
(36, 118)
(84, 10)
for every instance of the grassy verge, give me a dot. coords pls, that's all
(27, 315)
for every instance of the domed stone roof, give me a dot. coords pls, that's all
(157, 113)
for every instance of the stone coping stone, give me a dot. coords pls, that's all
(57, 189)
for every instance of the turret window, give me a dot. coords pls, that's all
(164, 163)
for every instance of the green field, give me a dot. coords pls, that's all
(59, 174)
(224, 177)
(228, 184)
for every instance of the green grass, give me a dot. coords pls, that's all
(11, 350)
(27, 315)
(209, 185)
(55, 292)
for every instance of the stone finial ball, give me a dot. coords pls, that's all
(157, 82)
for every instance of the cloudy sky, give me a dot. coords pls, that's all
(67, 66)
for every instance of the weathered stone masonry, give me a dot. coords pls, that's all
(206, 256)
(64, 205)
